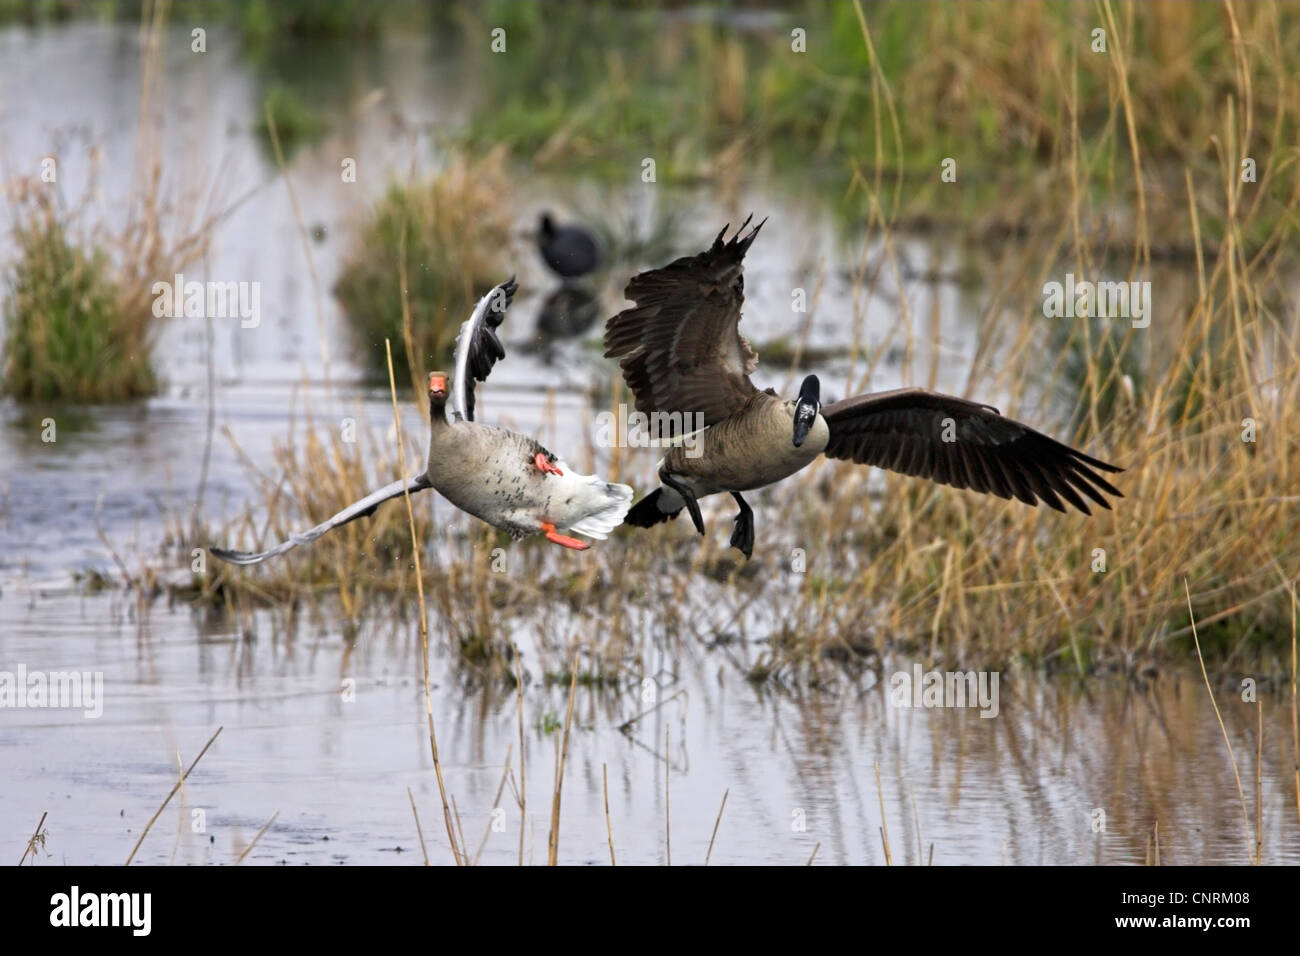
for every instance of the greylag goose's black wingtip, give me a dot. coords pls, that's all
(496, 312)
(235, 557)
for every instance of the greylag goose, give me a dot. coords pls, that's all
(504, 478)
(570, 251)
(681, 351)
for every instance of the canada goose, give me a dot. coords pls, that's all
(570, 251)
(681, 351)
(506, 479)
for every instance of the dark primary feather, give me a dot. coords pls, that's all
(358, 509)
(645, 513)
(680, 346)
(903, 431)
(484, 348)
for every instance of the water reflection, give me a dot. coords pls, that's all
(569, 311)
(1024, 788)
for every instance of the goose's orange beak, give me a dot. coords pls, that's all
(437, 384)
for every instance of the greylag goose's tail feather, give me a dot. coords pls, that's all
(611, 506)
(359, 509)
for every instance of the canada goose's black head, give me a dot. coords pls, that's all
(439, 386)
(806, 408)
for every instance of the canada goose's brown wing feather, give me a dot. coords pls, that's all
(905, 430)
(680, 347)
(358, 509)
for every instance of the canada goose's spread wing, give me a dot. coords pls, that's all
(478, 348)
(680, 347)
(965, 444)
(358, 509)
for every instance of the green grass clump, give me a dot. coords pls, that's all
(43, 12)
(261, 21)
(69, 334)
(294, 120)
(448, 238)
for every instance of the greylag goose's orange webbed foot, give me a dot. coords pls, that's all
(544, 465)
(563, 540)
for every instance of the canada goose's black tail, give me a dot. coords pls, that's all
(646, 513)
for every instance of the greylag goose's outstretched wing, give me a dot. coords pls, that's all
(478, 348)
(359, 509)
(964, 444)
(680, 347)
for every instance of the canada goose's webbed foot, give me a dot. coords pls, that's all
(688, 496)
(743, 537)
(545, 465)
(563, 540)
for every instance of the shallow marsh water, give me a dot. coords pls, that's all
(799, 769)
(1022, 788)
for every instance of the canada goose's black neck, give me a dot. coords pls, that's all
(806, 408)
(547, 225)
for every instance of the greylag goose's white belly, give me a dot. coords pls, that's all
(490, 473)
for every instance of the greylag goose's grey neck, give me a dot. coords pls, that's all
(504, 478)
(681, 351)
